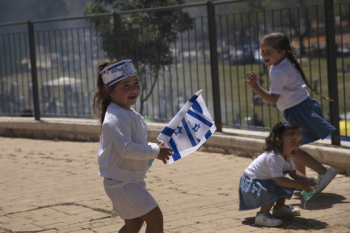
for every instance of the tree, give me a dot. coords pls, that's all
(146, 38)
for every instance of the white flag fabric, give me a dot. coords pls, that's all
(189, 129)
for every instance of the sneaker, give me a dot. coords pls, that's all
(267, 220)
(285, 210)
(325, 179)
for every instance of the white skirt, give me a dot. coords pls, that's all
(130, 200)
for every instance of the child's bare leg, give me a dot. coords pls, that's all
(307, 160)
(266, 208)
(280, 201)
(154, 221)
(299, 167)
(132, 225)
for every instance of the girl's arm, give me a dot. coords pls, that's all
(302, 184)
(297, 175)
(120, 132)
(253, 83)
(164, 152)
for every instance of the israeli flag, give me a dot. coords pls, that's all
(189, 129)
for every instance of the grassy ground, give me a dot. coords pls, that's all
(177, 85)
(236, 97)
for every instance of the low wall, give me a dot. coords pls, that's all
(231, 141)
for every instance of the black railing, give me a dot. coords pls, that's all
(51, 71)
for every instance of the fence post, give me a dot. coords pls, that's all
(33, 70)
(332, 70)
(214, 65)
(116, 25)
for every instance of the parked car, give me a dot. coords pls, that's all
(245, 54)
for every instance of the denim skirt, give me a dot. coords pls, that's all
(308, 115)
(256, 193)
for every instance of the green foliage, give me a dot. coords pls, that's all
(145, 37)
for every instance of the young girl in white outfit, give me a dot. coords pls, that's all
(123, 152)
(288, 90)
(264, 184)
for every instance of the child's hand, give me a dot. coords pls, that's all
(252, 79)
(164, 152)
(307, 184)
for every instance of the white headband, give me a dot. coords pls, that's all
(117, 71)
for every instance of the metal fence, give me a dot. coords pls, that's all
(51, 71)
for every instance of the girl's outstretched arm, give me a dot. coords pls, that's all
(252, 81)
(296, 175)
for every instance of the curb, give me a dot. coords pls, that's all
(239, 142)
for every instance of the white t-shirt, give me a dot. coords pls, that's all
(269, 164)
(288, 83)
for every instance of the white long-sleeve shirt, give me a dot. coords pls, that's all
(123, 151)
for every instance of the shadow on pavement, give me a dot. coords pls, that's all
(319, 202)
(292, 223)
(3, 230)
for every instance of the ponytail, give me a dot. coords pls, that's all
(280, 42)
(101, 98)
(294, 61)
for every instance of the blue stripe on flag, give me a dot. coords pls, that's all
(208, 134)
(193, 98)
(189, 134)
(176, 156)
(173, 145)
(198, 140)
(202, 119)
(197, 107)
(168, 131)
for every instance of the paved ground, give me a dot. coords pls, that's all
(49, 187)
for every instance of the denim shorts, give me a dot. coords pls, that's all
(256, 193)
(308, 115)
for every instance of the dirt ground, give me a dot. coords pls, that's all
(53, 186)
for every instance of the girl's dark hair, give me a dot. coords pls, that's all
(281, 129)
(280, 42)
(101, 98)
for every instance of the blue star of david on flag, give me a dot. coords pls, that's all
(178, 130)
(196, 127)
(184, 137)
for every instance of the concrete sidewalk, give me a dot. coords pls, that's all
(52, 186)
